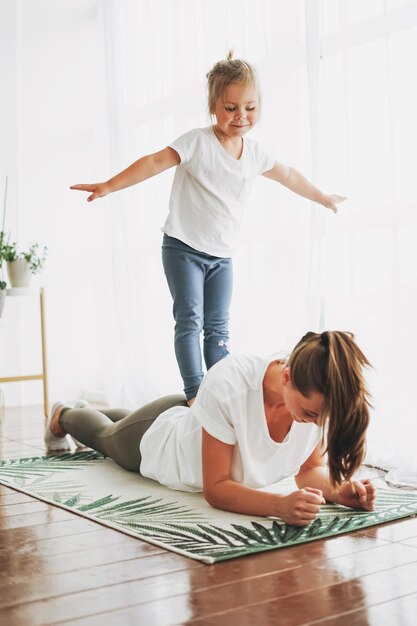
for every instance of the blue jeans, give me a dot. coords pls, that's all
(201, 289)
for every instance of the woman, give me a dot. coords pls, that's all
(255, 421)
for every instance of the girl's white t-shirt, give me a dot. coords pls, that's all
(209, 191)
(229, 406)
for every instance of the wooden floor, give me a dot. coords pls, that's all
(58, 568)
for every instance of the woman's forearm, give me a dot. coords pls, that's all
(318, 478)
(298, 508)
(229, 495)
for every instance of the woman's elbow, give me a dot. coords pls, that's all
(212, 497)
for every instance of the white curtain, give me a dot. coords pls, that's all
(367, 144)
(158, 53)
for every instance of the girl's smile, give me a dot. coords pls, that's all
(238, 112)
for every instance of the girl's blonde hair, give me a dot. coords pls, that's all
(331, 363)
(226, 72)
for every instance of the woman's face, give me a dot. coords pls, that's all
(301, 408)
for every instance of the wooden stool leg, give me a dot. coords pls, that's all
(44, 363)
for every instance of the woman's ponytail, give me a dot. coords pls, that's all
(331, 363)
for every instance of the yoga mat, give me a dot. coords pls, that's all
(98, 489)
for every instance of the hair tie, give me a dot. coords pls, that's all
(324, 340)
(324, 361)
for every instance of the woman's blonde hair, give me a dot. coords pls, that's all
(332, 364)
(226, 72)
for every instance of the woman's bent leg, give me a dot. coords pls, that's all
(118, 440)
(115, 415)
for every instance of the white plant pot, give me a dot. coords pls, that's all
(19, 273)
(2, 300)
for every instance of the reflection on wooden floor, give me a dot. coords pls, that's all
(58, 568)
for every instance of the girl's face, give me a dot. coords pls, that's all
(301, 408)
(237, 112)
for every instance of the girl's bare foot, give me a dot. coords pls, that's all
(190, 401)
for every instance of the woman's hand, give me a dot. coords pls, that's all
(301, 507)
(331, 201)
(98, 190)
(358, 494)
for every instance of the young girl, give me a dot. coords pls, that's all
(215, 169)
(255, 421)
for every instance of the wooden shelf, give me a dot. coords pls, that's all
(38, 292)
(23, 291)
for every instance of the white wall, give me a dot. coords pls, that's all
(8, 95)
(8, 153)
(53, 116)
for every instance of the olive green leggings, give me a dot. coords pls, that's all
(116, 433)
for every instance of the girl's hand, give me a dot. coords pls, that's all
(331, 201)
(301, 507)
(358, 494)
(99, 190)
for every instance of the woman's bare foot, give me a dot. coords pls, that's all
(190, 401)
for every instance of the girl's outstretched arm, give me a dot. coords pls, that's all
(357, 494)
(140, 170)
(294, 180)
(298, 508)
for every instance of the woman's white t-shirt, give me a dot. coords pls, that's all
(210, 189)
(229, 406)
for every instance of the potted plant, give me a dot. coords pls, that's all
(21, 265)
